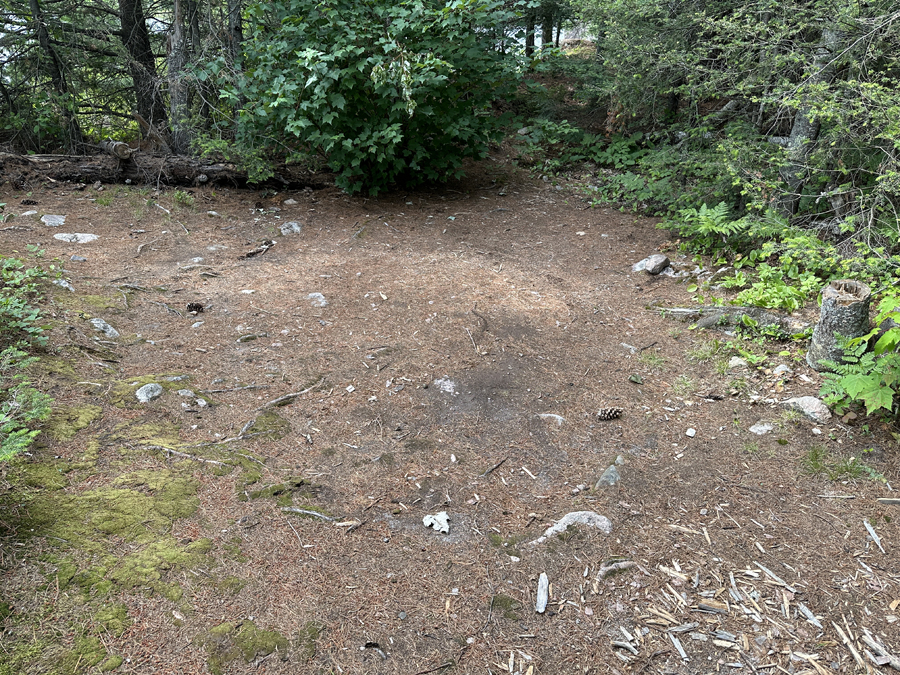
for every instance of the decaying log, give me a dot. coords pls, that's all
(722, 317)
(146, 168)
(116, 148)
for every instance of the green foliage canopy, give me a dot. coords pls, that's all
(382, 91)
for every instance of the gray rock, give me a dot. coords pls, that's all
(197, 324)
(53, 221)
(105, 328)
(762, 428)
(64, 284)
(318, 300)
(76, 237)
(671, 272)
(27, 213)
(736, 362)
(289, 202)
(543, 593)
(609, 478)
(184, 392)
(782, 370)
(620, 460)
(78, 258)
(690, 433)
(212, 214)
(810, 406)
(653, 264)
(149, 392)
(291, 227)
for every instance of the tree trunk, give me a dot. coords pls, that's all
(529, 33)
(547, 27)
(178, 91)
(141, 62)
(805, 130)
(235, 32)
(74, 139)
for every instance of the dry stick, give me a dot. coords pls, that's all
(295, 531)
(307, 512)
(221, 391)
(146, 243)
(289, 398)
(170, 451)
(493, 468)
(436, 668)
(893, 661)
(849, 645)
(474, 346)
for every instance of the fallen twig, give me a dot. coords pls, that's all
(289, 398)
(307, 512)
(850, 646)
(221, 391)
(892, 660)
(170, 451)
(493, 468)
(171, 309)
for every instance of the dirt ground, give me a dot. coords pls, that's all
(463, 343)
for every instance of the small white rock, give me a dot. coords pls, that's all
(76, 237)
(762, 428)
(53, 221)
(318, 300)
(105, 328)
(690, 433)
(438, 521)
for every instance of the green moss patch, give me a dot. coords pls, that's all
(506, 606)
(307, 638)
(47, 475)
(229, 642)
(269, 425)
(66, 421)
(139, 508)
(113, 619)
(146, 433)
(145, 569)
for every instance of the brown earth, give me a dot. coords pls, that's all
(459, 324)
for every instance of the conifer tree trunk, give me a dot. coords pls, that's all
(55, 68)
(141, 62)
(806, 127)
(178, 90)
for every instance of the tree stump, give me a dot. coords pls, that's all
(845, 312)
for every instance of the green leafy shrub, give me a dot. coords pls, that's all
(18, 318)
(20, 403)
(383, 91)
(869, 377)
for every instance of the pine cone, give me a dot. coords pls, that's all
(609, 413)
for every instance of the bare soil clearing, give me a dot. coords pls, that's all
(455, 360)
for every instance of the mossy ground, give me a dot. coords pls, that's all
(66, 421)
(229, 642)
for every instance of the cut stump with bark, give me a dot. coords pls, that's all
(845, 313)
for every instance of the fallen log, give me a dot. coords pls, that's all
(117, 148)
(721, 317)
(145, 168)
